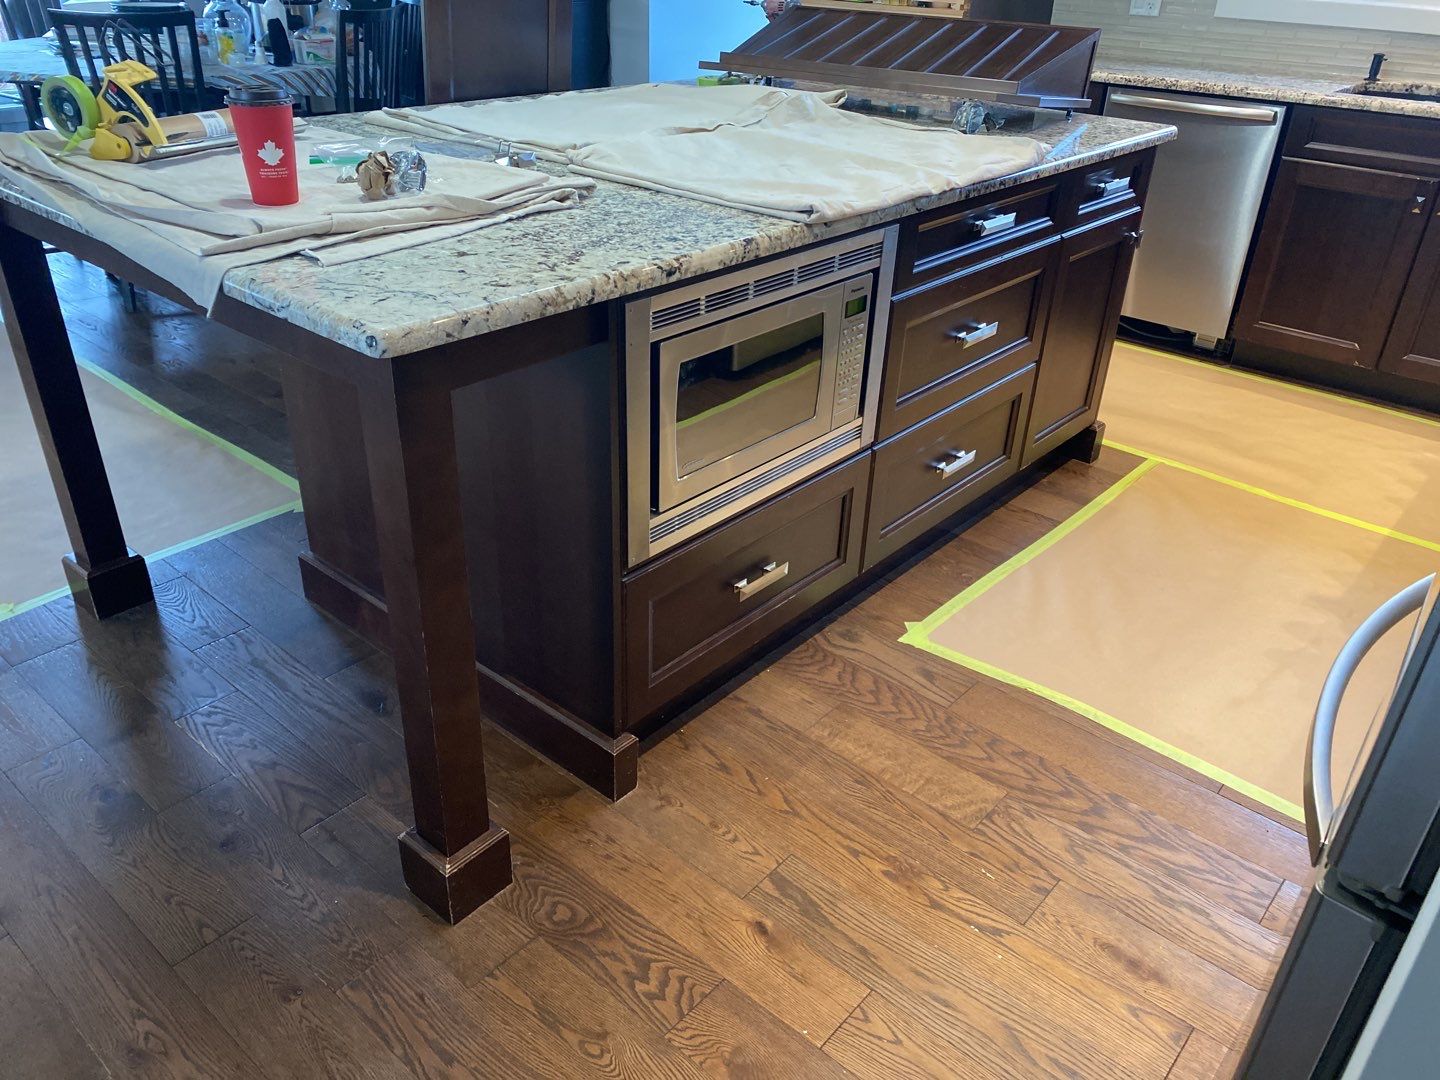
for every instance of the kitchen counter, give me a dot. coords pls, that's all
(1289, 89)
(621, 241)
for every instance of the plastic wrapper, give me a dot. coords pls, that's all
(409, 172)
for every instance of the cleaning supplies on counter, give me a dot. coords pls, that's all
(277, 33)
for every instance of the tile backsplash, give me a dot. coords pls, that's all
(1187, 34)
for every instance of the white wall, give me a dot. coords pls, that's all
(661, 40)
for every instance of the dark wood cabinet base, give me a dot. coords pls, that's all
(1087, 445)
(1380, 386)
(112, 588)
(609, 765)
(454, 887)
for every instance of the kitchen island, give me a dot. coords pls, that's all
(460, 428)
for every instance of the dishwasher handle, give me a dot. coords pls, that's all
(1245, 114)
(1319, 796)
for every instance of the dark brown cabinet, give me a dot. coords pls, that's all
(1413, 349)
(1094, 268)
(1333, 258)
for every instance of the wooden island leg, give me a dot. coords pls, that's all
(104, 574)
(454, 858)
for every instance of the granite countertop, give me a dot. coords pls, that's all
(1289, 89)
(620, 241)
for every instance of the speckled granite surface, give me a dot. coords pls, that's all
(1289, 89)
(621, 241)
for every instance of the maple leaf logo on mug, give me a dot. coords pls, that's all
(270, 154)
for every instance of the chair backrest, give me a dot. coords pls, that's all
(412, 52)
(367, 58)
(163, 40)
(24, 18)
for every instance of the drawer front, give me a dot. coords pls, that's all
(946, 241)
(1103, 190)
(950, 340)
(1407, 144)
(705, 605)
(940, 467)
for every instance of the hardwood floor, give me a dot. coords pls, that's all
(864, 862)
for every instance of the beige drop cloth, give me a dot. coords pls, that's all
(785, 153)
(806, 161)
(1199, 615)
(558, 123)
(191, 218)
(171, 484)
(1371, 463)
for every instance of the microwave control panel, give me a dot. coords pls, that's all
(854, 342)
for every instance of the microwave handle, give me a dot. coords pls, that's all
(1319, 795)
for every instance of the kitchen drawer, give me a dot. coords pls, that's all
(940, 467)
(942, 242)
(1103, 190)
(956, 337)
(690, 613)
(1369, 140)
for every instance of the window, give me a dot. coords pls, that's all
(1414, 16)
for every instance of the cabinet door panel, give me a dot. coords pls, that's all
(1335, 250)
(1414, 346)
(1094, 270)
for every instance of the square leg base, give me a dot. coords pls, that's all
(112, 588)
(456, 886)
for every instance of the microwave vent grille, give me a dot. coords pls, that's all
(798, 464)
(665, 317)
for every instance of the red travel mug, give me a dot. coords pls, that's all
(264, 119)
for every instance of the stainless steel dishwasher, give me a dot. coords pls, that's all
(1204, 200)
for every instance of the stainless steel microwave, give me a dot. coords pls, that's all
(741, 385)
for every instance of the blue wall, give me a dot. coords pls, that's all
(684, 32)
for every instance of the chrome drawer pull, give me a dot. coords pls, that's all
(975, 334)
(1107, 189)
(769, 574)
(959, 459)
(995, 223)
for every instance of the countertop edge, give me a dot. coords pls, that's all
(622, 281)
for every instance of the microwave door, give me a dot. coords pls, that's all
(733, 396)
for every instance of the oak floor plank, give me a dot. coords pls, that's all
(1014, 1029)
(28, 725)
(185, 613)
(1205, 1058)
(369, 752)
(1199, 817)
(601, 1031)
(35, 632)
(293, 780)
(957, 793)
(1284, 911)
(885, 1039)
(1100, 938)
(745, 747)
(371, 682)
(274, 546)
(722, 849)
(176, 900)
(136, 647)
(156, 758)
(1231, 941)
(649, 973)
(322, 645)
(285, 1018)
(360, 841)
(920, 672)
(731, 1036)
(129, 1006)
(962, 737)
(275, 871)
(761, 956)
(1007, 956)
(439, 1028)
(37, 1038)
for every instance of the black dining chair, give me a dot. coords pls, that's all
(26, 19)
(163, 40)
(368, 58)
